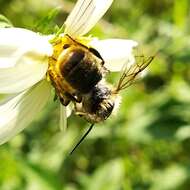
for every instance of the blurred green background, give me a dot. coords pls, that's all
(147, 145)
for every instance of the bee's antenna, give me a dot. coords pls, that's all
(90, 128)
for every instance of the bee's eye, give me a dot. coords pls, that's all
(65, 46)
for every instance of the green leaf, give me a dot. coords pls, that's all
(108, 177)
(183, 133)
(4, 22)
(180, 13)
(46, 24)
(171, 178)
(39, 178)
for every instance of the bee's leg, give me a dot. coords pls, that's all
(65, 98)
(88, 117)
(79, 98)
(64, 101)
(78, 110)
(73, 97)
(80, 113)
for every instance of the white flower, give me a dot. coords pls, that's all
(24, 62)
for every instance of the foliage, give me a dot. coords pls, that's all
(4, 22)
(146, 146)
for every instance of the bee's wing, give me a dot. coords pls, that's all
(85, 15)
(130, 73)
(19, 111)
(65, 112)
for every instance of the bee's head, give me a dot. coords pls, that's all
(100, 102)
(105, 108)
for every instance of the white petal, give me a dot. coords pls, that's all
(18, 112)
(63, 118)
(85, 15)
(65, 111)
(15, 42)
(115, 52)
(20, 77)
(23, 59)
(69, 109)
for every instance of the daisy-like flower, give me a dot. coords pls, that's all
(24, 62)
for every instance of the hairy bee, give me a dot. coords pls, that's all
(77, 73)
(74, 69)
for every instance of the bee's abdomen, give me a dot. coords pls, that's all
(81, 71)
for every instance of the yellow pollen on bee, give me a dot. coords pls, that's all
(59, 43)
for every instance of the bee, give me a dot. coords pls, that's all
(74, 69)
(78, 74)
